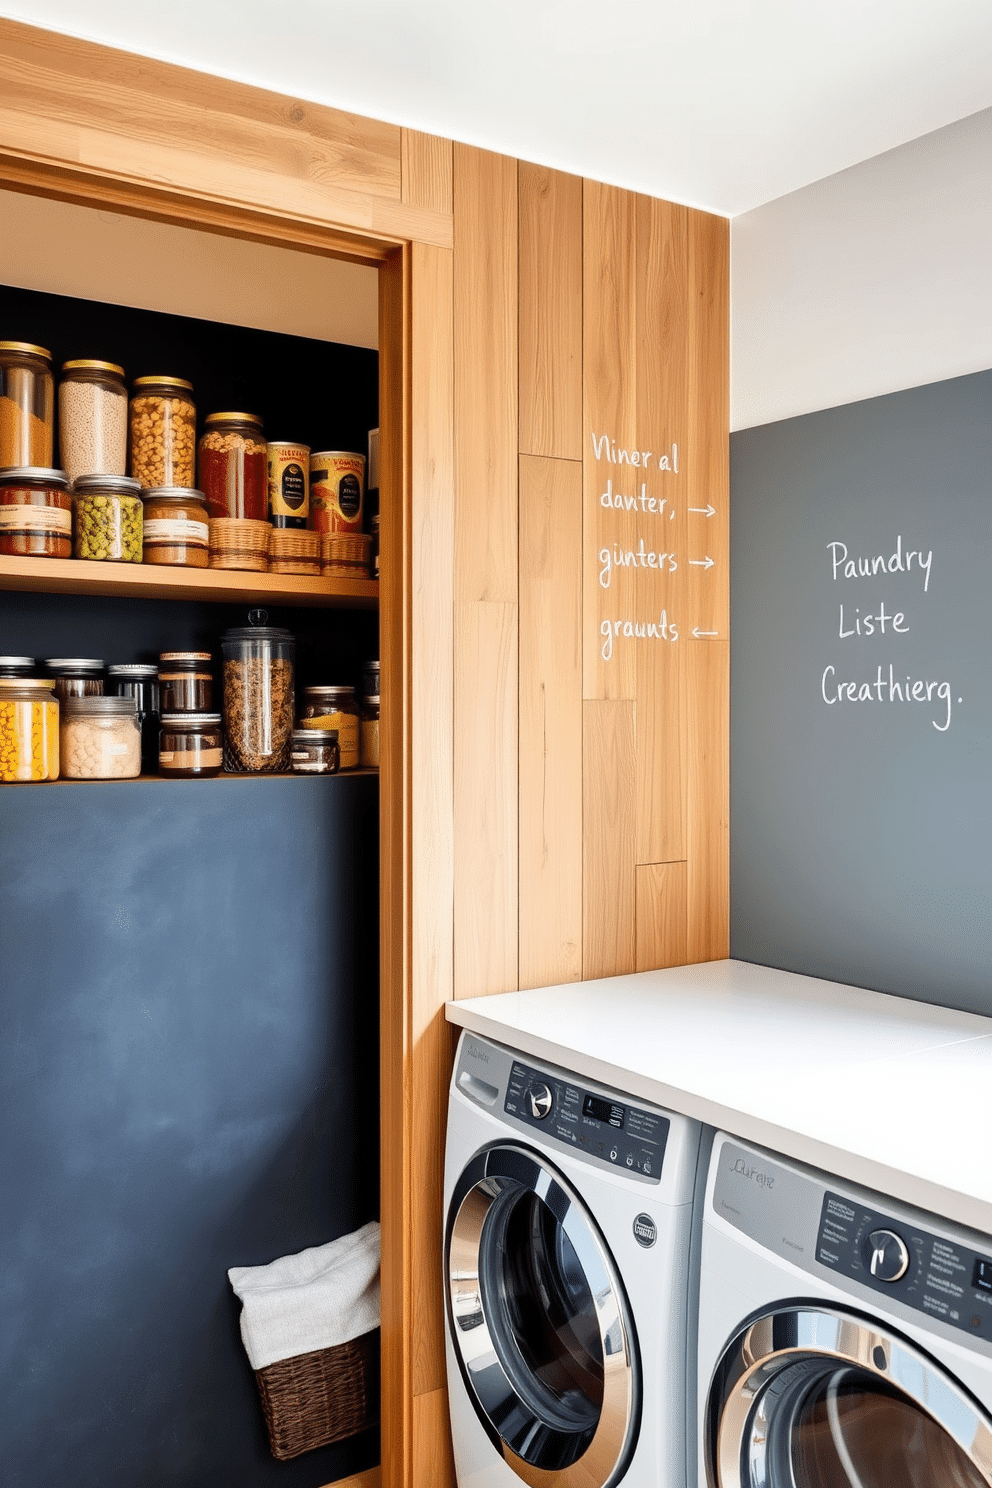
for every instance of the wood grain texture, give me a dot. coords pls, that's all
(433, 1464)
(662, 928)
(159, 581)
(550, 207)
(370, 1479)
(608, 897)
(708, 464)
(426, 164)
(485, 235)
(707, 754)
(550, 721)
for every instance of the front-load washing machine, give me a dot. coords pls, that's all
(845, 1339)
(568, 1217)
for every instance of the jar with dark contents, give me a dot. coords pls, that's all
(191, 745)
(232, 461)
(140, 681)
(258, 696)
(175, 527)
(35, 513)
(315, 752)
(74, 676)
(335, 708)
(185, 681)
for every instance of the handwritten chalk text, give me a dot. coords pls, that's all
(889, 690)
(846, 567)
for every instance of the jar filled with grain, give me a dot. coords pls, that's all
(74, 676)
(35, 512)
(29, 730)
(335, 708)
(107, 519)
(191, 745)
(100, 739)
(162, 432)
(175, 528)
(27, 404)
(258, 696)
(93, 419)
(232, 462)
(185, 681)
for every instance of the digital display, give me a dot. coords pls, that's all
(982, 1277)
(603, 1110)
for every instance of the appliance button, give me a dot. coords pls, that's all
(540, 1100)
(888, 1257)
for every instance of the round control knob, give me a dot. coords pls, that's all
(888, 1257)
(540, 1100)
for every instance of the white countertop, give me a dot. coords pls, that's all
(887, 1092)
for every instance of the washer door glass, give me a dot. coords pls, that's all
(540, 1322)
(806, 1397)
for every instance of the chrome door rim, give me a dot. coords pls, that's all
(789, 1338)
(490, 1174)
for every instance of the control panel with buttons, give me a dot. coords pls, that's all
(622, 1136)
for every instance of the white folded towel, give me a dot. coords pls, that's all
(314, 1300)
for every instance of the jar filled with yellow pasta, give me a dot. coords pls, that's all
(29, 730)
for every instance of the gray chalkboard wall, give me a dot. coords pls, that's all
(861, 720)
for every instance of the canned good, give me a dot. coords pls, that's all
(75, 676)
(315, 752)
(191, 745)
(289, 484)
(175, 527)
(29, 731)
(233, 472)
(92, 419)
(108, 518)
(185, 682)
(100, 739)
(27, 405)
(35, 513)
(162, 432)
(334, 708)
(337, 489)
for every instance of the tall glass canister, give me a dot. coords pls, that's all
(259, 698)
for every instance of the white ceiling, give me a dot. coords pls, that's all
(721, 104)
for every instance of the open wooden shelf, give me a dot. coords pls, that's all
(157, 581)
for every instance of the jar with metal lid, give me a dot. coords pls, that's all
(232, 462)
(162, 431)
(93, 419)
(175, 527)
(100, 739)
(15, 668)
(107, 518)
(75, 676)
(35, 513)
(191, 745)
(258, 696)
(27, 404)
(29, 730)
(315, 752)
(334, 708)
(139, 680)
(185, 681)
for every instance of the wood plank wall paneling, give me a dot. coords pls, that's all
(550, 313)
(608, 908)
(486, 618)
(661, 915)
(426, 171)
(433, 1464)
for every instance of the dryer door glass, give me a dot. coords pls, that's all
(540, 1322)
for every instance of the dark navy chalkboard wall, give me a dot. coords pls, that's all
(861, 701)
(188, 1081)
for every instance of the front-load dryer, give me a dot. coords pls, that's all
(845, 1339)
(566, 1247)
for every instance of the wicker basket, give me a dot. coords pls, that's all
(315, 1399)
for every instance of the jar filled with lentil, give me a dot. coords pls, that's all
(315, 752)
(107, 518)
(92, 419)
(185, 681)
(334, 708)
(191, 745)
(175, 528)
(29, 730)
(35, 512)
(100, 739)
(232, 463)
(162, 432)
(258, 696)
(139, 680)
(27, 404)
(75, 676)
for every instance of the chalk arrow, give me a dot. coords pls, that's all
(706, 562)
(704, 511)
(699, 634)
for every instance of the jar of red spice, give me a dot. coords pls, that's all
(35, 512)
(233, 466)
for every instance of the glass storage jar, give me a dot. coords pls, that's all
(191, 745)
(14, 668)
(369, 748)
(315, 752)
(334, 708)
(74, 676)
(232, 461)
(175, 527)
(162, 431)
(100, 739)
(29, 730)
(186, 683)
(139, 680)
(258, 696)
(92, 419)
(107, 518)
(27, 404)
(35, 513)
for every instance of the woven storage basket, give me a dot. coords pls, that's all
(239, 542)
(345, 555)
(314, 1399)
